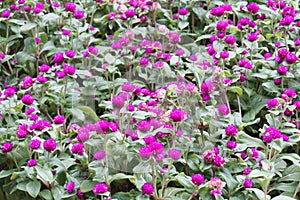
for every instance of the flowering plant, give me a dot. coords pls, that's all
(141, 99)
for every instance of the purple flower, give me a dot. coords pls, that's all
(111, 16)
(59, 119)
(70, 53)
(144, 61)
(147, 188)
(35, 144)
(79, 193)
(290, 57)
(247, 183)
(31, 163)
(100, 188)
(223, 109)
(282, 70)
(93, 50)
(66, 32)
(70, 186)
(174, 37)
(118, 102)
(149, 139)
(102, 126)
(197, 179)
(116, 45)
(50, 144)
(252, 36)
(229, 39)
(207, 87)
(254, 153)
(144, 126)
(145, 152)
(69, 69)
(231, 130)
(224, 54)
(77, 148)
(27, 99)
(129, 13)
(297, 104)
(215, 184)
(231, 144)
(297, 42)
(157, 147)
(270, 134)
(217, 11)
(58, 57)
(70, 6)
(271, 103)
(216, 191)
(246, 171)
(5, 14)
(99, 155)
(79, 14)
(177, 115)
(44, 68)
(183, 11)
(222, 25)
(83, 134)
(219, 161)
(174, 154)
(6, 147)
(252, 7)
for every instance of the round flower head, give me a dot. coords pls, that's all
(99, 155)
(27, 99)
(183, 11)
(70, 6)
(49, 145)
(6, 147)
(35, 144)
(59, 119)
(219, 161)
(223, 109)
(197, 179)
(252, 7)
(129, 13)
(271, 103)
(214, 183)
(177, 115)
(31, 163)
(229, 39)
(174, 154)
(147, 188)
(247, 183)
(70, 187)
(79, 14)
(77, 148)
(246, 171)
(5, 14)
(252, 36)
(231, 144)
(222, 25)
(145, 152)
(231, 130)
(58, 57)
(118, 102)
(100, 188)
(282, 70)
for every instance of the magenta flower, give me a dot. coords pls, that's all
(231, 144)
(290, 57)
(77, 148)
(252, 37)
(102, 126)
(50, 145)
(177, 115)
(58, 57)
(35, 144)
(144, 62)
(174, 154)
(70, 53)
(147, 188)
(27, 99)
(70, 6)
(100, 188)
(219, 161)
(93, 50)
(6, 147)
(70, 187)
(229, 39)
(66, 32)
(207, 87)
(197, 179)
(223, 109)
(31, 163)
(5, 14)
(59, 119)
(79, 14)
(217, 11)
(222, 25)
(271, 103)
(118, 102)
(252, 7)
(111, 16)
(44, 68)
(99, 155)
(183, 11)
(231, 130)
(129, 13)
(224, 54)
(282, 70)
(247, 183)
(145, 152)
(246, 171)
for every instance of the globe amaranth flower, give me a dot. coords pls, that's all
(270, 134)
(222, 25)
(129, 13)
(70, 187)
(218, 161)
(35, 144)
(49, 144)
(145, 152)
(177, 115)
(271, 103)
(31, 163)
(207, 87)
(79, 193)
(144, 125)
(197, 179)
(59, 119)
(118, 102)
(183, 11)
(216, 186)
(247, 183)
(77, 148)
(224, 54)
(229, 39)
(297, 104)
(246, 171)
(79, 14)
(58, 57)
(231, 144)
(144, 62)
(6, 147)
(147, 188)
(100, 188)
(102, 127)
(252, 7)
(27, 99)
(174, 154)
(99, 155)
(5, 14)
(252, 36)
(209, 156)
(282, 70)
(288, 94)
(231, 130)
(223, 109)
(290, 57)
(70, 6)
(254, 153)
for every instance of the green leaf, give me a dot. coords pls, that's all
(218, 46)
(182, 24)
(184, 180)
(283, 197)
(260, 194)
(77, 113)
(44, 174)
(33, 188)
(46, 194)
(243, 137)
(286, 187)
(236, 89)
(110, 59)
(6, 173)
(57, 192)
(89, 111)
(28, 26)
(120, 176)
(87, 186)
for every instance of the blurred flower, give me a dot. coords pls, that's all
(49, 145)
(31, 163)
(197, 179)
(247, 183)
(70, 187)
(99, 155)
(6, 147)
(147, 188)
(174, 154)
(100, 188)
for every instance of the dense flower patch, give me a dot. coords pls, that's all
(141, 99)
